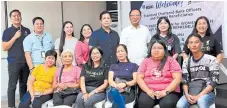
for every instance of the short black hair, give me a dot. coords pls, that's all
(51, 53)
(37, 18)
(15, 10)
(133, 10)
(102, 13)
(195, 35)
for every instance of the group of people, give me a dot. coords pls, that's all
(81, 70)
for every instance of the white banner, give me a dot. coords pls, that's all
(182, 15)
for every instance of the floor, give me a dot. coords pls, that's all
(4, 103)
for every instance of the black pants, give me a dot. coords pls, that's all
(169, 101)
(68, 100)
(17, 71)
(37, 103)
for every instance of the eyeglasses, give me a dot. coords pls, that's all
(96, 53)
(135, 15)
(157, 48)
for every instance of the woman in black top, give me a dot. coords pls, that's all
(210, 44)
(93, 80)
(164, 33)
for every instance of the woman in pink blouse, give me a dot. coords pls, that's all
(159, 78)
(82, 47)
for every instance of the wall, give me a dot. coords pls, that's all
(51, 11)
(83, 12)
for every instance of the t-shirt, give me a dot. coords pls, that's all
(210, 46)
(94, 77)
(70, 76)
(205, 68)
(124, 70)
(159, 80)
(44, 79)
(16, 52)
(172, 43)
(69, 44)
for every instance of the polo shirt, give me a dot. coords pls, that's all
(16, 52)
(136, 41)
(108, 42)
(210, 46)
(35, 44)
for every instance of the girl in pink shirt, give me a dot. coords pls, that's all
(82, 47)
(159, 78)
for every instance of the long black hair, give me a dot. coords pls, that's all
(126, 50)
(156, 36)
(208, 32)
(90, 64)
(81, 30)
(62, 39)
(163, 61)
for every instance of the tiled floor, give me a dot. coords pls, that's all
(4, 103)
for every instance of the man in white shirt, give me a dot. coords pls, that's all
(136, 38)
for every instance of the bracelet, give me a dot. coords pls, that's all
(84, 93)
(31, 68)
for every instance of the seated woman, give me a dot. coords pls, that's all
(200, 76)
(66, 79)
(159, 77)
(125, 71)
(93, 80)
(40, 83)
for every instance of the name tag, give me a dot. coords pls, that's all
(43, 54)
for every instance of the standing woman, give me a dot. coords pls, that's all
(93, 80)
(66, 41)
(164, 33)
(210, 44)
(82, 47)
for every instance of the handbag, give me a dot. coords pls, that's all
(68, 91)
(196, 86)
(119, 80)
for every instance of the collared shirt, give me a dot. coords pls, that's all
(136, 41)
(16, 52)
(36, 44)
(108, 42)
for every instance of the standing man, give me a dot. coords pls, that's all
(37, 44)
(136, 38)
(17, 67)
(106, 38)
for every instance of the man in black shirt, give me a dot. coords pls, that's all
(12, 41)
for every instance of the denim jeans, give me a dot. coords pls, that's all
(204, 101)
(95, 98)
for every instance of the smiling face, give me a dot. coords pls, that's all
(163, 26)
(50, 61)
(135, 17)
(38, 25)
(121, 53)
(68, 29)
(201, 26)
(86, 31)
(67, 58)
(157, 51)
(96, 55)
(16, 18)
